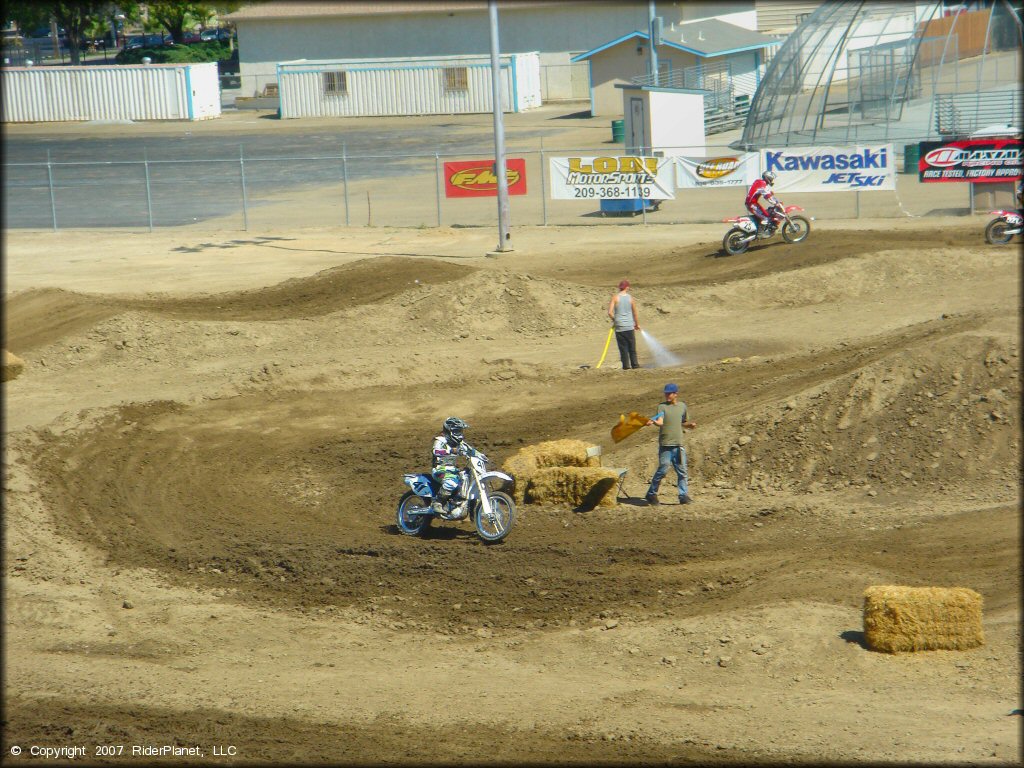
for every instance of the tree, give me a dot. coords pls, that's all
(76, 18)
(175, 17)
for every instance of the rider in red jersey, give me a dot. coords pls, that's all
(761, 192)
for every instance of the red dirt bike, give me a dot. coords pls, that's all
(745, 230)
(1003, 227)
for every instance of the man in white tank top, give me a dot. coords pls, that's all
(622, 311)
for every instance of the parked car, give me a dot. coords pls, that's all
(191, 37)
(216, 34)
(148, 41)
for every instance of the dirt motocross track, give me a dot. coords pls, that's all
(200, 490)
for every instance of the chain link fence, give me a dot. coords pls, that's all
(296, 190)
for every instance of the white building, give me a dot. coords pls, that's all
(407, 86)
(277, 31)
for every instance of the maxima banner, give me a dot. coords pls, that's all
(719, 171)
(979, 160)
(476, 178)
(612, 178)
(832, 169)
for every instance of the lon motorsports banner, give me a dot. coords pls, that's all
(977, 160)
(832, 169)
(612, 178)
(720, 171)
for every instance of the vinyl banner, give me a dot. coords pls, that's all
(612, 178)
(720, 171)
(832, 169)
(476, 178)
(979, 160)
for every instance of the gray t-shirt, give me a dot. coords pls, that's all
(623, 317)
(673, 416)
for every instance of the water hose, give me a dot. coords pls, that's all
(606, 345)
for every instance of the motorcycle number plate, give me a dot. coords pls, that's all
(747, 225)
(1014, 219)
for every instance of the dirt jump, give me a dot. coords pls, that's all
(205, 446)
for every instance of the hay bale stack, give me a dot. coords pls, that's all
(12, 367)
(585, 487)
(553, 453)
(898, 619)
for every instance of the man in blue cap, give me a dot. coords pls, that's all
(671, 418)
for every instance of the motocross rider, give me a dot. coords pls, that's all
(760, 190)
(447, 446)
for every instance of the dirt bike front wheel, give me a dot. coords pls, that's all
(995, 232)
(735, 241)
(503, 512)
(796, 229)
(409, 524)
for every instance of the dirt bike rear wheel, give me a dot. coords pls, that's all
(995, 232)
(412, 525)
(504, 509)
(796, 229)
(735, 242)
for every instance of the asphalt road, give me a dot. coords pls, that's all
(191, 175)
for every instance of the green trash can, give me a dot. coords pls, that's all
(618, 131)
(911, 156)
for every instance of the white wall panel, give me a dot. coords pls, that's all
(142, 92)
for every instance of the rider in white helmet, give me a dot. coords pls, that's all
(446, 448)
(760, 192)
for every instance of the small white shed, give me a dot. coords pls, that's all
(406, 86)
(127, 92)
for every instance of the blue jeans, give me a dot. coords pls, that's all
(674, 456)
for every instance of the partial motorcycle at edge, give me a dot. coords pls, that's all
(492, 512)
(1003, 227)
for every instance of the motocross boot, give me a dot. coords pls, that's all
(437, 505)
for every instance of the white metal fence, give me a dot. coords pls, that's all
(296, 191)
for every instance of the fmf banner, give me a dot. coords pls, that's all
(978, 160)
(832, 169)
(476, 178)
(612, 178)
(721, 171)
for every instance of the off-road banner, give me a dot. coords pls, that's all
(737, 170)
(476, 178)
(980, 160)
(832, 169)
(612, 178)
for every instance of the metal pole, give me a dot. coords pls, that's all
(344, 178)
(971, 193)
(437, 185)
(53, 197)
(654, 49)
(504, 236)
(245, 197)
(543, 185)
(149, 194)
(857, 194)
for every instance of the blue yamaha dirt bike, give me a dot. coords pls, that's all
(492, 512)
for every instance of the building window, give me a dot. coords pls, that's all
(456, 79)
(335, 83)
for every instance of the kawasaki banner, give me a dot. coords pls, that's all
(978, 160)
(832, 169)
(720, 171)
(612, 178)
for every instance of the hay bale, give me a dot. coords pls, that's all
(900, 619)
(585, 487)
(552, 453)
(12, 367)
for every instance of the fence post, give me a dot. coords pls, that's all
(344, 178)
(149, 194)
(245, 197)
(857, 194)
(53, 197)
(543, 185)
(437, 175)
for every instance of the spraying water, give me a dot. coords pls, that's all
(662, 357)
